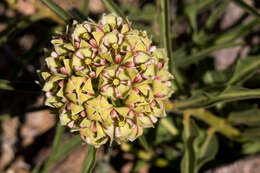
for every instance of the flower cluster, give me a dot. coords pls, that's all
(106, 80)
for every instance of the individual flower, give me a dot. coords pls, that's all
(106, 80)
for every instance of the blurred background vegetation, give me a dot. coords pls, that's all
(213, 118)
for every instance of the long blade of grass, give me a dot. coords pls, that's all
(204, 100)
(113, 8)
(16, 26)
(181, 61)
(68, 146)
(251, 10)
(90, 159)
(55, 146)
(19, 86)
(84, 7)
(236, 32)
(33, 109)
(18, 68)
(167, 43)
(144, 143)
(57, 10)
(63, 151)
(213, 18)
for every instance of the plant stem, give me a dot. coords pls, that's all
(167, 43)
(90, 159)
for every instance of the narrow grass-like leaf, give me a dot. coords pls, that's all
(208, 149)
(236, 32)
(16, 26)
(182, 61)
(68, 146)
(90, 160)
(219, 124)
(113, 8)
(251, 10)
(203, 100)
(191, 12)
(55, 146)
(205, 4)
(62, 152)
(57, 10)
(84, 7)
(217, 12)
(251, 147)
(245, 68)
(18, 68)
(167, 43)
(247, 117)
(252, 133)
(190, 132)
(19, 86)
(169, 126)
(27, 110)
(142, 140)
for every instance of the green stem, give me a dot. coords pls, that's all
(55, 146)
(167, 43)
(90, 159)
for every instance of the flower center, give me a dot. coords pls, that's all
(143, 67)
(88, 61)
(116, 82)
(115, 46)
(106, 28)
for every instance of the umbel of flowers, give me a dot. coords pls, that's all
(106, 80)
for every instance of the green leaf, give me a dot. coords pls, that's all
(251, 148)
(19, 86)
(68, 146)
(90, 159)
(217, 12)
(16, 26)
(55, 146)
(202, 4)
(84, 7)
(245, 68)
(251, 10)
(215, 77)
(64, 15)
(236, 32)
(149, 12)
(190, 132)
(219, 124)
(208, 150)
(249, 117)
(63, 151)
(169, 126)
(204, 53)
(191, 12)
(142, 140)
(252, 134)
(113, 8)
(203, 100)
(18, 68)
